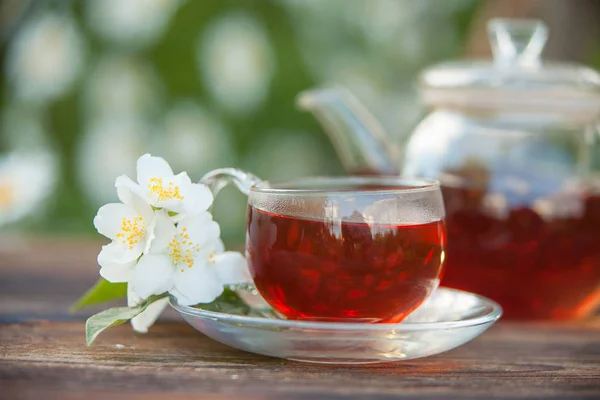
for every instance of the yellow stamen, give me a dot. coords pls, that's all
(182, 252)
(171, 191)
(211, 257)
(7, 194)
(132, 231)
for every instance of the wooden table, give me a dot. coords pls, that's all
(43, 354)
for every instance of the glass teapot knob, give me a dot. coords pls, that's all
(517, 41)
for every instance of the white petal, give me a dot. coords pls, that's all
(116, 253)
(143, 209)
(118, 273)
(125, 187)
(161, 232)
(133, 195)
(152, 167)
(198, 284)
(142, 322)
(213, 247)
(177, 218)
(196, 198)
(110, 217)
(153, 275)
(200, 219)
(201, 228)
(182, 179)
(174, 205)
(231, 268)
(219, 246)
(132, 298)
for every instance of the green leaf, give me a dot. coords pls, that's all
(229, 302)
(101, 292)
(107, 318)
(113, 317)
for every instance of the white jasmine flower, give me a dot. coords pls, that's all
(46, 57)
(129, 225)
(161, 188)
(164, 241)
(188, 261)
(26, 180)
(236, 61)
(131, 23)
(195, 139)
(122, 85)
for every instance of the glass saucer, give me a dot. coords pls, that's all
(449, 318)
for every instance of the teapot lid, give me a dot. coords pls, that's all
(516, 78)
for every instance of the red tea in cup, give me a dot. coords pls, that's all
(346, 249)
(323, 270)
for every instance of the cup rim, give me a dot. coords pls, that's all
(329, 183)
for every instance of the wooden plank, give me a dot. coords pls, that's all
(43, 277)
(43, 354)
(510, 361)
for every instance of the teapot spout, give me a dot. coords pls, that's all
(357, 136)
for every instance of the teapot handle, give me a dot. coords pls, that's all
(219, 178)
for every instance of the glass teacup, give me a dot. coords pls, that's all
(362, 249)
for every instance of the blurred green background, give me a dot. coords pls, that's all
(89, 86)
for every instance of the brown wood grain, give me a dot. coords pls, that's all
(43, 353)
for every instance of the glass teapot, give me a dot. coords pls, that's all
(514, 143)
